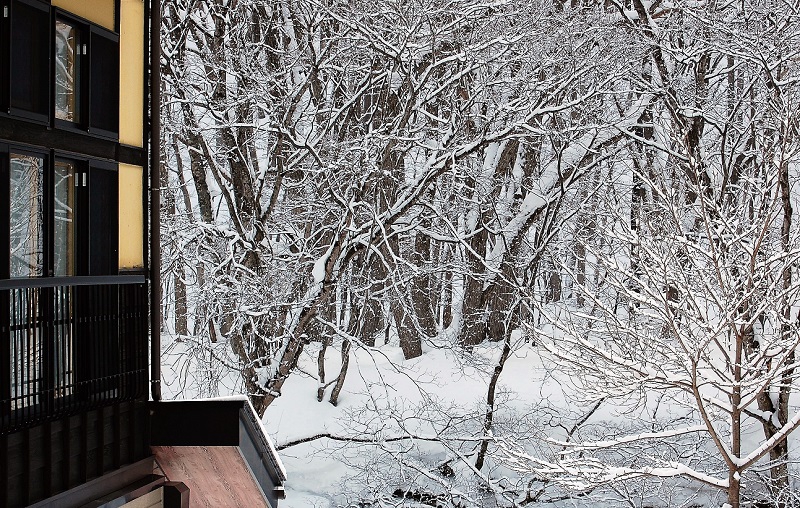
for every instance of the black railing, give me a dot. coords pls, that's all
(69, 348)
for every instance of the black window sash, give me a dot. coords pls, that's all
(29, 60)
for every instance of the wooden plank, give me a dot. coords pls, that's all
(26, 466)
(48, 459)
(65, 465)
(52, 457)
(84, 454)
(216, 476)
(153, 499)
(4, 470)
(117, 444)
(38, 439)
(101, 441)
(21, 131)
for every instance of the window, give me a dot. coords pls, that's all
(104, 56)
(30, 58)
(84, 80)
(65, 181)
(70, 49)
(62, 217)
(86, 77)
(26, 216)
(103, 220)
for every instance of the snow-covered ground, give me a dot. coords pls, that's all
(404, 428)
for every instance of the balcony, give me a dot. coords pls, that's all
(69, 345)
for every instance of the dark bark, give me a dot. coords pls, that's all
(490, 404)
(181, 320)
(321, 370)
(337, 388)
(422, 299)
(409, 337)
(474, 310)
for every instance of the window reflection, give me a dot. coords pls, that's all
(26, 216)
(64, 219)
(68, 51)
(27, 348)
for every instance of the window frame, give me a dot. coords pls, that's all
(92, 34)
(5, 56)
(85, 207)
(81, 168)
(89, 31)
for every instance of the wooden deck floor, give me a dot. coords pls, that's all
(217, 476)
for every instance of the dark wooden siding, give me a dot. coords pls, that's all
(53, 457)
(70, 425)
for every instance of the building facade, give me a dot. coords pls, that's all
(76, 277)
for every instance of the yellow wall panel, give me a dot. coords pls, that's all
(131, 73)
(100, 12)
(131, 217)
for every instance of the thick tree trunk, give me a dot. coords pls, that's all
(734, 489)
(474, 309)
(181, 310)
(410, 340)
(367, 310)
(422, 298)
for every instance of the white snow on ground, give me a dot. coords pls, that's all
(383, 393)
(379, 379)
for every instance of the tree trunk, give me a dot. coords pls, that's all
(321, 370)
(337, 388)
(734, 489)
(490, 399)
(410, 340)
(181, 320)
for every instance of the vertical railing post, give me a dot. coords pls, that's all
(155, 197)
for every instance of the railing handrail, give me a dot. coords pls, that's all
(86, 280)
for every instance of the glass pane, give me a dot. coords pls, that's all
(68, 50)
(64, 219)
(103, 222)
(105, 83)
(26, 216)
(30, 58)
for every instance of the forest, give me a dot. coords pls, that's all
(491, 253)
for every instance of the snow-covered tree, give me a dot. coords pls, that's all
(376, 169)
(694, 255)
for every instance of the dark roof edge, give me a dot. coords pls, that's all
(262, 441)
